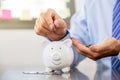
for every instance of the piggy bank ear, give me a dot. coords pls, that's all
(44, 42)
(68, 42)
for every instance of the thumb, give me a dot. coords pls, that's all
(60, 23)
(94, 48)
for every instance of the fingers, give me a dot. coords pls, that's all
(46, 23)
(82, 49)
(59, 23)
(42, 32)
(60, 26)
(50, 23)
(50, 16)
(49, 20)
(107, 46)
(41, 26)
(54, 21)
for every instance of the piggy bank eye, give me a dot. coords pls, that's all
(51, 48)
(60, 48)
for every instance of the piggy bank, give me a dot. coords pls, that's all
(58, 55)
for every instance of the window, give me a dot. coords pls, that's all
(23, 13)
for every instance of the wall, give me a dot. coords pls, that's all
(78, 4)
(20, 48)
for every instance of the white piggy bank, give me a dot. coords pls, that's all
(58, 55)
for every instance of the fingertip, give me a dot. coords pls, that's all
(73, 39)
(59, 23)
(51, 25)
(76, 41)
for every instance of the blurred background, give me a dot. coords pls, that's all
(19, 45)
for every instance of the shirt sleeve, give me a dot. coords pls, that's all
(79, 26)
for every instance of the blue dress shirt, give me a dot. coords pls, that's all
(92, 25)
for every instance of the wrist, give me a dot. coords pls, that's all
(62, 36)
(59, 37)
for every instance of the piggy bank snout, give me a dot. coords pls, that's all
(56, 56)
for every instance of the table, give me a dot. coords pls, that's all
(82, 72)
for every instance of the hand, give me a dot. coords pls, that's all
(50, 25)
(110, 47)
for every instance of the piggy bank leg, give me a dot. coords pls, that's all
(66, 76)
(49, 70)
(66, 70)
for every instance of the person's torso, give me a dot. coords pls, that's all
(99, 22)
(99, 19)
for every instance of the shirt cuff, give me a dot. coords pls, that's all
(67, 36)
